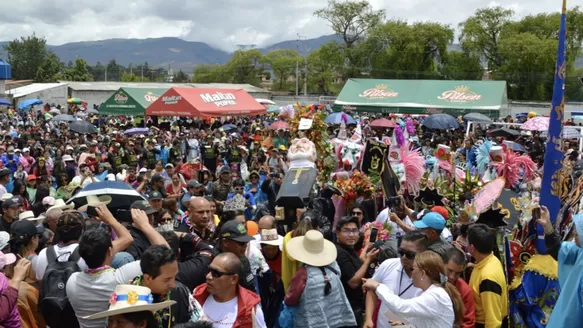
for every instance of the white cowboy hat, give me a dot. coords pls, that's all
(68, 158)
(60, 205)
(95, 201)
(270, 237)
(28, 215)
(6, 196)
(129, 299)
(312, 249)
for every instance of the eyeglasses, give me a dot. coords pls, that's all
(238, 188)
(254, 177)
(407, 254)
(217, 273)
(356, 213)
(349, 231)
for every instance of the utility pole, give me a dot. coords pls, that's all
(105, 73)
(142, 73)
(297, 77)
(300, 38)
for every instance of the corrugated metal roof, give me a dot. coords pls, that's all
(113, 86)
(32, 88)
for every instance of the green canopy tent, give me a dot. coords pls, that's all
(130, 101)
(423, 97)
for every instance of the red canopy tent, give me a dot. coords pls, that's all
(205, 102)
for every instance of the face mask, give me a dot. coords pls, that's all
(165, 227)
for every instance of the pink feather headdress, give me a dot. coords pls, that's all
(511, 167)
(399, 135)
(414, 164)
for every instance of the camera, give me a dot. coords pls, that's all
(394, 202)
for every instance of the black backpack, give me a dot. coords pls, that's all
(53, 302)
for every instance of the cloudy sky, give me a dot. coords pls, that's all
(221, 23)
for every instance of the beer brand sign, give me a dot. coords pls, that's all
(149, 97)
(461, 94)
(121, 98)
(171, 100)
(219, 99)
(381, 91)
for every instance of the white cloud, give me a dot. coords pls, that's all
(221, 23)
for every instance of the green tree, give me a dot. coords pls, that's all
(211, 74)
(459, 65)
(180, 77)
(49, 70)
(246, 66)
(481, 33)
(322, 63)
(129, 77)
(79, 72)
(283, 64)
(26, 55)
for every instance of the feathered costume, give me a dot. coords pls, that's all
(443, 156)
(408, 164)
(513, 167)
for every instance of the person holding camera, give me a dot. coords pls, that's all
(398, 215)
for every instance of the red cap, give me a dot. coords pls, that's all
(441, 210)
(31, 177)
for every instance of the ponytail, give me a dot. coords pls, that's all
(456, 301)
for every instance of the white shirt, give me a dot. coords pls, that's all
(396, 231)
(432, 309)
(224, 315)
(391, 274)
(62, 256)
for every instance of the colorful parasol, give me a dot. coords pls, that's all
(279, 125)
(488, 195)
(536, 124)
(382, 123)
(77, 101)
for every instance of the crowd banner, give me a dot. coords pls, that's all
(553, 172)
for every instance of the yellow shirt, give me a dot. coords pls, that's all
(289, 266)
(490, 292)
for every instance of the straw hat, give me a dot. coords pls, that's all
(60, 205)
(312, 249)
(129, 299)
(93, 200)
(271, 237)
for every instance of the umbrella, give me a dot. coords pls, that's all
(277, 125)
(48, 116)
(135, 131)
(382, 123)
(536, 124)
(82, 127)
(76, 101)
(264, 101)
(477, 117)
(92, 111)
(273, 109)
(26, 103)
(441, 122)
(64, 118)
(504, 132)
(4, 102)
(55, 111)
(123, 195)
(337, 118)
(228, 127)
(488, 195)
(517, 147)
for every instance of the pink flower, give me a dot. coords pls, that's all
(113, 299)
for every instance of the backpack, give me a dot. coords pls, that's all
(53, 302)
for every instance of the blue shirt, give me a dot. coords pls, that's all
(568, 311)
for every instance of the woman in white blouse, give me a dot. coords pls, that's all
(439, 306)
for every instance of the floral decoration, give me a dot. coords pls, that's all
(359, 185)
(384, 230)
(113, 299)
(132, 297)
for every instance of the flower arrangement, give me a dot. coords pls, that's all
(359, 185)
(384, 230)
(318, 135)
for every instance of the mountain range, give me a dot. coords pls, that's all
(170, 52)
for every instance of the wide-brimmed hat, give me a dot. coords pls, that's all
(95, 201)
(28, 216)
(60, 205)
(270, 237)
(312, 249)
(68, 158)
(130, 299)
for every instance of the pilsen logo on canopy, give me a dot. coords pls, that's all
(121, 98)
(150, 97)
(381, 91)
(171, 100)
(461, 94)
(220, 99)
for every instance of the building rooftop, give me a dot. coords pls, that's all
(32, 88)
(113, 86)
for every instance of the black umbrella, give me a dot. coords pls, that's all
(477, 118)
(505, 132)
(441, 122)
(82, 127)
(64, 118)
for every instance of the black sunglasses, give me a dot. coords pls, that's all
(407, 254)
(217, 274)
(356, 213)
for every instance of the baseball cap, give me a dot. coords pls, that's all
(157, 178)
(10, 203)
(155, 195)
(144, 206)
(441, 210)
(236, 231)
(6, 259)
(169, 165)
(25, 229)
(194, 184)
(4, 172)
(431, 220)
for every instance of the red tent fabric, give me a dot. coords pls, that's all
(205, 102)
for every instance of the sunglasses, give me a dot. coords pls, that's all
(217, 273)
(407, 254)
(356, 213)
(238, 188)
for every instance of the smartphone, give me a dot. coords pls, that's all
(91, 211)
(536, 213)
(373, 235)
(123, 215)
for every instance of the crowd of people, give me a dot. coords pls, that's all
(206, 246)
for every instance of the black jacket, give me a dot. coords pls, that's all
(193, 268)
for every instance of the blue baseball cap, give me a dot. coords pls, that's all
(431, 220)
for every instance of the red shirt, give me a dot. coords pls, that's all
(275, 265)
(470, 308)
